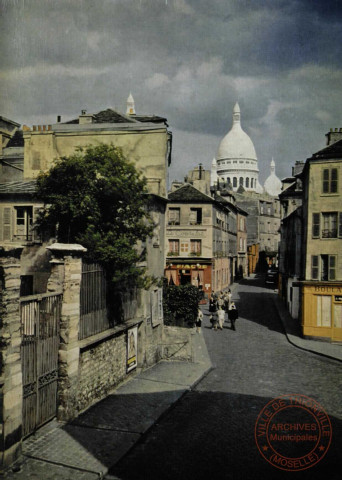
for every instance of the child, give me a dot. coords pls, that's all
(199, 320)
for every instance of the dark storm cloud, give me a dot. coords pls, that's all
(188, 60)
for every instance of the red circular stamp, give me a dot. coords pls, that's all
(293, 432)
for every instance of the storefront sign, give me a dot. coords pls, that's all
(132, 348)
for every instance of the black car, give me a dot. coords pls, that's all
(272, 276)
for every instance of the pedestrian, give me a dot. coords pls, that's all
(233, 314)
(226, 301)
(213, 320)
(220, 316)
(199, 320)
(220, 301)
(229, 295)
(212, 304)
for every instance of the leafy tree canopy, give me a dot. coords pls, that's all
(97, 198)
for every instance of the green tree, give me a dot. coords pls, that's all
(97, 198)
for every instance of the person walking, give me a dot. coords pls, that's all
(220, 301)
(199, 320)
(220, 316)
(212, 304)
(214, 321)
(233, 314)
(229, 295)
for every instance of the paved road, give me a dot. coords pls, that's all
(209, 433)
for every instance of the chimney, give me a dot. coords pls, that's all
(334, 135)
(85, 118)
(59, 119)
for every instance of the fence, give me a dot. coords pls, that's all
(94, 314)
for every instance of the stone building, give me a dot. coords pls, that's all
(310, 260)
(86, 362)
(322, 246)
(205, 235)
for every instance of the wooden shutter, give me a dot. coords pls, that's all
(326, 180)
(314, 267)
(340, 224)
(332, 267)
(315, 225)
(333, 181)
(7, 224)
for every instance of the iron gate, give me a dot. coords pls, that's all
(40, 315)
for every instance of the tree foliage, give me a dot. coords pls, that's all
(97, 198)
(180, 304)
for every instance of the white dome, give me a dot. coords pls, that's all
(236, 144)
(273, 184)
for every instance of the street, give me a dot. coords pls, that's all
(209, 432)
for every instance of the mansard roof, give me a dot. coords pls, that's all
(112, 116)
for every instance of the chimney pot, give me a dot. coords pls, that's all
(59, 118)
(84, 112)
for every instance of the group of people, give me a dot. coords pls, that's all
(218, 306)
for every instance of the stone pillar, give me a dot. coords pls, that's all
(11, 382)
(65, 276)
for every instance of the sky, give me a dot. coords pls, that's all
(186, 60)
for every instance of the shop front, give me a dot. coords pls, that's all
(197, 274)
(322, 310)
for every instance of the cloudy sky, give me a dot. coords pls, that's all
(187, 60)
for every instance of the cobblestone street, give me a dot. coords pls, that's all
(209, 433)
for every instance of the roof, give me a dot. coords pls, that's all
(188, 193)
(18, 187)
(107, 116)
(332, 151)
(17, 140)
(112, 116)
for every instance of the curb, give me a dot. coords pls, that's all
(283, 322)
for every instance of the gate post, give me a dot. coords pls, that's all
(11, 388)
(66, 273)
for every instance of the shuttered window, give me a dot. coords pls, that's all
(330, 180)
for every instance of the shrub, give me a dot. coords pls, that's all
(180, 304)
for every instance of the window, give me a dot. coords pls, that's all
(195, 216)
(228, 180)
(252, 182)
(329, 182)
(315, 225)
(234, 182)
(329, 225)
(184, 247)
(173, 247)
(323, 311)
(195, 247)
(261, 208)
(241, 244)
(328, 267)
(174, 216)
(242, 224)
(247, 181)
(241, 181)
(23, 223)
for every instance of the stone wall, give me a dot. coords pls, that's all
(11, 388)
(102, 366)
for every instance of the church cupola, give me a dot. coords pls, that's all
(130, 105)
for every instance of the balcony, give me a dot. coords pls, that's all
(329, 233)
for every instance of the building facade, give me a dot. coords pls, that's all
(201, 240)
(322, 231)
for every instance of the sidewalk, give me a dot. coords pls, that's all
(294, 336)
(86, 448)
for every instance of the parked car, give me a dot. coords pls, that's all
(272, 276)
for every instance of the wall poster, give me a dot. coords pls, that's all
(132, 348)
